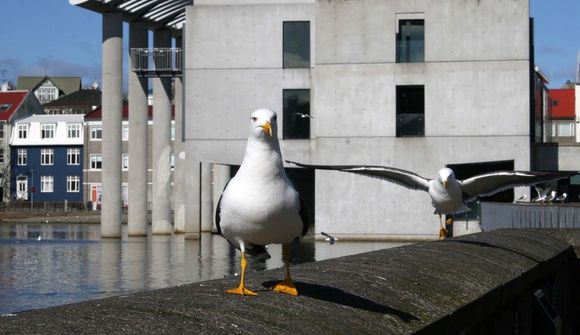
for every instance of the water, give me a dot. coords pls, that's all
(70, 263)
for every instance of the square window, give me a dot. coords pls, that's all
(73, 183)
(296, 114)
(46, 184)
(47, 130)
(73, 130)
(96, 162)
(96, 133)
(125, 162)
(73, 156)
(410, 110)
(22, 157)
(411, 41)
(46, 156)
(22, 131)
(296, 44)
(125, 133)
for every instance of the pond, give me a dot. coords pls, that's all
(44, 265)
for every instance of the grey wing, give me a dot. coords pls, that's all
(218, 210)
(494, 182)
(401, 177)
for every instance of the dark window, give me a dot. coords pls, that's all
(411, 41)
(296, 114)
(410, 110)
(296, 44)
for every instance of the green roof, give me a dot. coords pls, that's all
(65, 84)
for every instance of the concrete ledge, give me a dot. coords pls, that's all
(440, 287)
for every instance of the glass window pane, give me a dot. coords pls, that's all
(296, 114)
(296, 44)
(410, 110)
(411, 41)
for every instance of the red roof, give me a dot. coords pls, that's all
(97, 114)
(10, 101)
(563, 101)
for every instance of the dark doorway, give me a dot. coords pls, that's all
(464, 171)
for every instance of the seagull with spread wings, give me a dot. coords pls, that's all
(448, 194)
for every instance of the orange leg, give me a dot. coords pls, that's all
(242, 290)
(286, 286)
(442, 230)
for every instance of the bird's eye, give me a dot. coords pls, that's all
(254, 119)
(275, 117)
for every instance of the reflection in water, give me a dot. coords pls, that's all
(70, 263)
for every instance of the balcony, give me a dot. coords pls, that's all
(157, 62)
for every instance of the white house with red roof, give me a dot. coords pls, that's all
(13, 106)
(563, 115)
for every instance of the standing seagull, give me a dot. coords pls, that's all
(449, 195)
(259, 205)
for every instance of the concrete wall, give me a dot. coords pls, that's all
(569, 157)
(476, 78)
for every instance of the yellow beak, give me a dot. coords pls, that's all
(267, 128)
(444, 184)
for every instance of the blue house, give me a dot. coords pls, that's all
(47, 158)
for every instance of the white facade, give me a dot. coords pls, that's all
(475, 76)
(57, 129)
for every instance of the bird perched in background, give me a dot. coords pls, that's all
(449, 195)
(562, 198)
(542, 193)
(552, 196)
(259, 205)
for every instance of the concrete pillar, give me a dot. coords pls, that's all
(206, 197)
(112, 106)
(179, 173)
(161, 144)
(221, 176)
(138, 117)
(193, 196)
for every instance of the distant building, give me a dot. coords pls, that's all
(47, 162)
(94, 159)
(13, 105)
(563, 115)
(79, 102)
(49, 88)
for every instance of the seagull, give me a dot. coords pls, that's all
(551, 196)
(329, 238)
(542, 193)
(304, 116)
(259, 205)
(448, 194)
(562, 198)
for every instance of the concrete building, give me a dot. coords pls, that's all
(47, 153)
(418, 85)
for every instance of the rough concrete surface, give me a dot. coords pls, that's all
(433, 287)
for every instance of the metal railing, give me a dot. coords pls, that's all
(496, 215)
(157, 62)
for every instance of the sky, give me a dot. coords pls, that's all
(52, 37)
